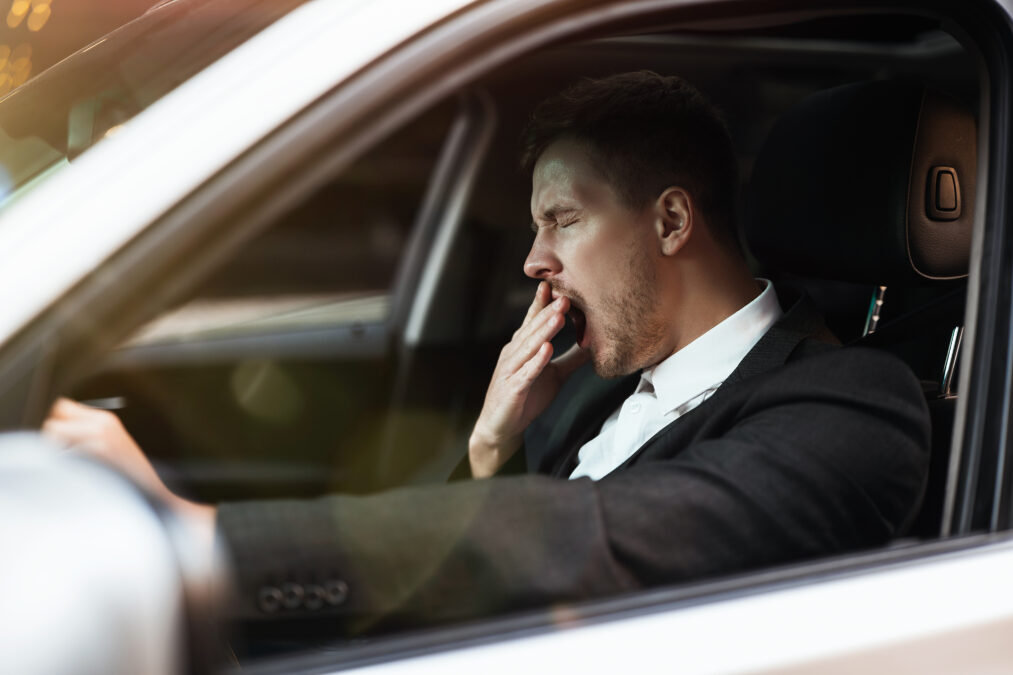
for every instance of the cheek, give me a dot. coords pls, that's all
(596, 252)
(593, 256)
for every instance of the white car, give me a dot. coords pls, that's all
(283, 240)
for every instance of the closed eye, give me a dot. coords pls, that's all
(555, 219)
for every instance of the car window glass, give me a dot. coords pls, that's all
(277, 377)
(329, 262)
(75, 104)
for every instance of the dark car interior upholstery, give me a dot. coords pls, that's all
(864, 182)
(873, 184)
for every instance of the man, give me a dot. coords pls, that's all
(713, 430)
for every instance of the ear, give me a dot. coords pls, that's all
(673, 218)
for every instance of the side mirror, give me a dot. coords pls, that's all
(91, 578)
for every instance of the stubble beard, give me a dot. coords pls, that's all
(628, 321)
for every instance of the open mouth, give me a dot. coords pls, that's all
(579, 321)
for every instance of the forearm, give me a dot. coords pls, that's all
(486, 457)
(423, 554)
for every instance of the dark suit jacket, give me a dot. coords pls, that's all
(806, 449)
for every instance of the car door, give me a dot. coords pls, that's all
(287, 373)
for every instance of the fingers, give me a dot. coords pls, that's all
(59, 430)
(538, 331)
(66, 423)
(75, 436)
(534, 366)
(64, 408)
(517, 392)
(542, 296)
(78, 426)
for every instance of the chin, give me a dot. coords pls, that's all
(607, 366)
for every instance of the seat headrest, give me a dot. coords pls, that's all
(871, 182)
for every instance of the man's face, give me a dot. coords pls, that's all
(599, 253)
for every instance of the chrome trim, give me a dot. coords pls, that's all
(459, 165)
(950, 365)
(411, 268)
(957, 505)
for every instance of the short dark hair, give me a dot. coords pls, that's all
(646, 132)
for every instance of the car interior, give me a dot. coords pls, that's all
(347, 345)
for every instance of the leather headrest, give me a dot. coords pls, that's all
(870, 182)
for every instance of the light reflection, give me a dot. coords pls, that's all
(39, 16)
(266, 391)
(15, 66)
(21, 72)
(19, 8)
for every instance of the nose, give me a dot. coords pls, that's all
(541, 262)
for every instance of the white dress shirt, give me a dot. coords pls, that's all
(678, 384)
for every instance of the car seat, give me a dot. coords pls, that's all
(869, 187)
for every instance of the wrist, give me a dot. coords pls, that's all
(199, 519)
(486, 455)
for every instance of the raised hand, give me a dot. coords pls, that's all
(523, 385)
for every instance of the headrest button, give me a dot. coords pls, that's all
(943, 193)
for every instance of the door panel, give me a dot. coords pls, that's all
(276, 377)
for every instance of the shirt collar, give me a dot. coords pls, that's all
(708, 360)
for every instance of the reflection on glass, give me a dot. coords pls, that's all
(19, 8)
(39, 16)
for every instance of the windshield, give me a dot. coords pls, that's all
(50, 120)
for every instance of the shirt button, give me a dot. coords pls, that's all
(635, 407)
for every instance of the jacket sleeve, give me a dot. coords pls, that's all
(825, 455)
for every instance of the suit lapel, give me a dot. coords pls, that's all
(799, 322)
(575, 417)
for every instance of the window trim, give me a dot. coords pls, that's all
(980, 440)
(440, 218)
